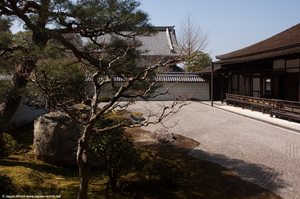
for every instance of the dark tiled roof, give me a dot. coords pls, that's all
(180, 76)
(286, 42)
(172, 68)
(172, 77)
(163, 43)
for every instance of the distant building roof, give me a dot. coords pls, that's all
(286, 42)
(163, 43)
(172, 68)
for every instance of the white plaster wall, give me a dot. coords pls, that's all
(199, 91)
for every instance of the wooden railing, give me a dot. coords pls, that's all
(279, 108)
(287, 109)
(253, 102)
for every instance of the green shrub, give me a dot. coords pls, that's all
(115, 148)
(104, 99)
(136, 114)
(11, 146)
(118, 119)
(163, 171)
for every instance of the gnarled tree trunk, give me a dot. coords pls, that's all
(14, 97)
(82, 161)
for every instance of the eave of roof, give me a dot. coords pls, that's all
(208, 70)
(286, 42)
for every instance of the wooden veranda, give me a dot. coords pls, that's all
(275, 107)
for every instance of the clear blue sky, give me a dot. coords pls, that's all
(233, 24)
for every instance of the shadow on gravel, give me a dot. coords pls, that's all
(203, 179)
(258, 174)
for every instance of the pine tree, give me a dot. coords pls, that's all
(197, 61)
(55, 25)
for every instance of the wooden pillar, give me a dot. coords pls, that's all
(212, 84)
(261, 82)
(272, 86)
(238, 84)
(298, 86)
(222, 89)
(244, 91)
(251, 86)
(261, 86)
(244, 79)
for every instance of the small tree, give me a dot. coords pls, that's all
(115, 148)
(197, 61)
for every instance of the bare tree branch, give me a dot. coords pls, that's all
(9, 49)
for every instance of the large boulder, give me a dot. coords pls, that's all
(163, 136)
(56, 139)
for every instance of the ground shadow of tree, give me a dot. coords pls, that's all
(203, 179)
(6, 185)
(258, 174)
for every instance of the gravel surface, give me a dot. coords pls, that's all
(256, 151)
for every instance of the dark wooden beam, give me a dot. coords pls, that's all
(244, 91)
(212, 84)
(222, 89)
